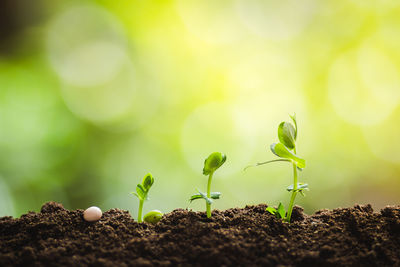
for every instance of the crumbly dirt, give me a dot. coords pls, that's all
(247, 236)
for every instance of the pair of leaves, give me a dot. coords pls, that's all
(287, 134)
(201, 195)
(300, 188)
(280, 212)
(143, 188)
(282, 151)
(213, 162)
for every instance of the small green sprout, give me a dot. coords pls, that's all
(211, 164)
(279, 212)
(286, 151)
(141, 192)
(153, 216)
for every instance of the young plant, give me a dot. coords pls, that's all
(141, 192)
(211, 164)
(286, 151)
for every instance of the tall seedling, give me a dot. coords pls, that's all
(286, 150)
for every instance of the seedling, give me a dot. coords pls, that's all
(211, 164)
(141, 192)
(286, 151)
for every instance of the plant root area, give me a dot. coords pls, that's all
(247, 236)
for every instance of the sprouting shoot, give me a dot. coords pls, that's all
(211, 164)
(141, 192)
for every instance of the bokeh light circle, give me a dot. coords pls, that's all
(86, 45)
(215, 22)
(103, 103)
(382, 139)
(276, 20)
(267, 88)
(364, 85)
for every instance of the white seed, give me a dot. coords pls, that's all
(92, 214)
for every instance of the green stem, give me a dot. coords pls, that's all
(208, 206)
(274, 160)
(294, 192)
(140, 210)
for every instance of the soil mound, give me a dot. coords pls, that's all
(247, 236)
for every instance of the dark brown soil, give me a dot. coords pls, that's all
(235, 237)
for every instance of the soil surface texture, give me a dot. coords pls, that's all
(247, 236)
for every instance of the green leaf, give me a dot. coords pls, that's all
(208, 200)
(271, 210)
(213, 162)
(281, 211)
(141, 192)
(281, 151)
(300, 187)
(135, 194)
(215, 195)
(286, 134)
(295, 125)
(194, 197)
(204, 196)
(148, 181)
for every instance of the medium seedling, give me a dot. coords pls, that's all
(141, 192)
(286, 151)
(211, 164)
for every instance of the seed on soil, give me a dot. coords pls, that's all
(92, 214)
(153, 216)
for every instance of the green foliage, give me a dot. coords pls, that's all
(142, 191)
(280, 212)
(286, 134)
(286, 151)
(211, 164)
(300, 188)
(214, 195)
(143, 188)
(282, 151)
(148, 181)
(153, 216)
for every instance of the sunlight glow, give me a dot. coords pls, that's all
(363, 86)
(276, 20)
(86, 46)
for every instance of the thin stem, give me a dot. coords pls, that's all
(266, 162)
(140, 210)
(294, 191)
(208, 206)
(274, 160)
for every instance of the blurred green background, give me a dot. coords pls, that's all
(95, 94)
